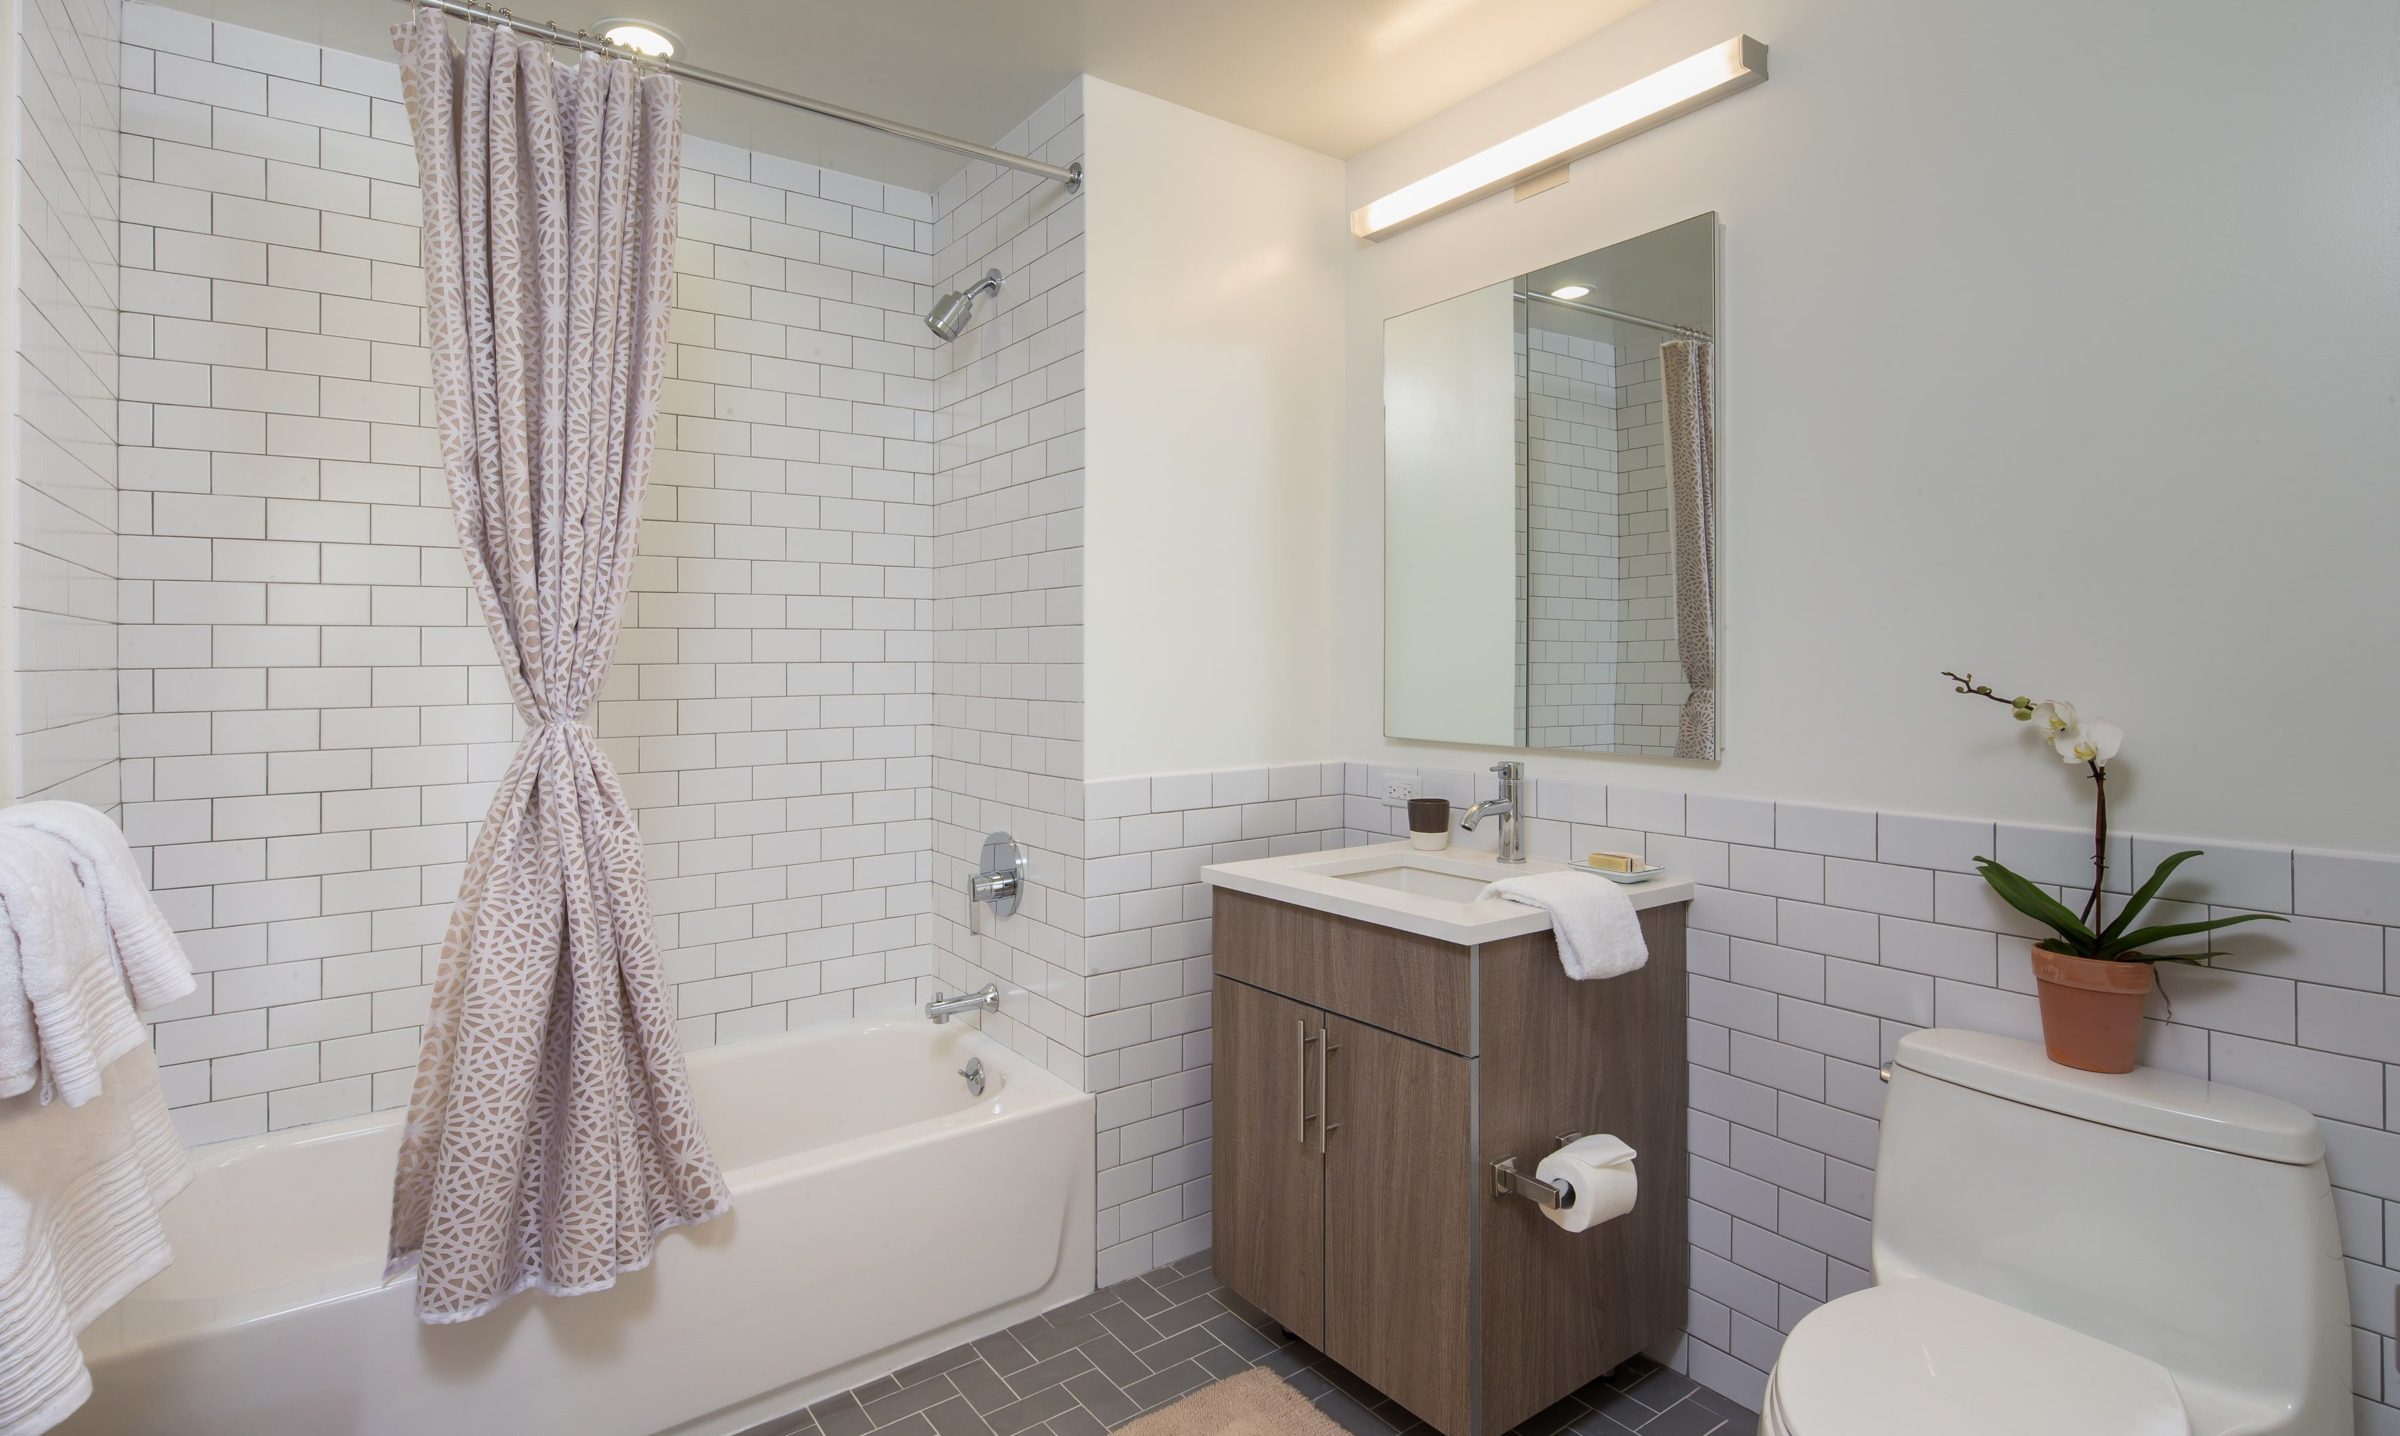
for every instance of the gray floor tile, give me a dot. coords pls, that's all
(841, 1416)
(1114, 1361)
(1351, 1415)
(1099, 1362)
(982, 1387)
(955, 1417)
(1044, 1374)
(1031, 1412)
(1004, 1353)
(1179, 1348)
(1160, 1387)
(1103, 1398)
(1127, 1326)
(1684, 1418)
(908, 1400)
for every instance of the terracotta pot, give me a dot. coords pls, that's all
(2091, 1010)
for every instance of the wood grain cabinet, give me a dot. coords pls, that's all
(1366, 1080)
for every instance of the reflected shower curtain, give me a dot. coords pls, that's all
(1688, 367)
(551, 1134)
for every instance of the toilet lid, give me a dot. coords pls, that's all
(1922, 1358)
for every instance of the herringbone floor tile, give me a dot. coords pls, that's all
(1096, 1364)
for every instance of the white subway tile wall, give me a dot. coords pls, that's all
(1007, 672)
(63, 180)
(313, 716)
(1821, 936)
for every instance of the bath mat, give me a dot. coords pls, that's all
(1255, 1403)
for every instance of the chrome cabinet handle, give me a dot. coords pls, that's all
(1325, 1123)
(1300, 1080)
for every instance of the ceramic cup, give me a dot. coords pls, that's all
(1429, 824)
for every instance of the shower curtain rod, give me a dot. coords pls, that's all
(1071, 175)
(1678, 329)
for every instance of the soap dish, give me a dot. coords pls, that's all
(1638, 875)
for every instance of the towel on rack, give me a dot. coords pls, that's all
(153, 961)
(69, 1017)
(80, 1193)
(1599, 934)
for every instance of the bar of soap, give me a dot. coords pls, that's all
(1614, 862)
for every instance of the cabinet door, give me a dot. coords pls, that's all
(1269, 1180)
(1399, 1195)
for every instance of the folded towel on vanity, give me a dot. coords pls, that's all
(1599, 935)
(67, 1015)
(156, 970)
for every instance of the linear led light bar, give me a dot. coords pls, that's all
(1656, 98)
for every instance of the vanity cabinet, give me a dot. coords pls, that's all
(1366, 1081)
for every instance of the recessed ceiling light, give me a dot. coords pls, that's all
(642, 37)
(1570, 291)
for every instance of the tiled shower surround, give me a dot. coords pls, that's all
(63, 192)
(313, 717)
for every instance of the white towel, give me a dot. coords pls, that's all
(80, 1193)
(1599, 934)
(63, 977)
(153, 962)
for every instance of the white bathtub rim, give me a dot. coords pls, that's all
(372, 1272)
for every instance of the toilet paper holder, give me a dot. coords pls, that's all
(1508, 1181)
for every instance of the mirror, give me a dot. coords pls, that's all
(1550, 506)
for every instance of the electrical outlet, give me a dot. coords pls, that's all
(1399, 787)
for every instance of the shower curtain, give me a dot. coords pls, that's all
(1689, 369)
(551, 1134)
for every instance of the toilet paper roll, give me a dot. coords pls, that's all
(1599, 1170)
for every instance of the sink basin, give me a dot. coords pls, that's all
(1419, 882)
(1437, 895)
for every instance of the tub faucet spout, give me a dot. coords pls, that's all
(985, 999)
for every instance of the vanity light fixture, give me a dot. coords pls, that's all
(1570, 291)
(642, 37)
(1656, 98)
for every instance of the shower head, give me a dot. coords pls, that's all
(950, 313)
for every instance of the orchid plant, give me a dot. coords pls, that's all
(2091, 744)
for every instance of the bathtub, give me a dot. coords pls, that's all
(881, 1214)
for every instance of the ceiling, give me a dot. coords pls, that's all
(1336, 76)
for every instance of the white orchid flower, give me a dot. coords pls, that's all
(2057, 715)
(2093, 742)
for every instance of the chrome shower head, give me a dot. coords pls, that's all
(950, 313)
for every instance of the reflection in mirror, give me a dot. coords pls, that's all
(1550, 506)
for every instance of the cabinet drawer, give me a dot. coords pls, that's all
(1407, 984)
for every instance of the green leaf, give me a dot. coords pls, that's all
(2148, 890)
(2168, 931)
(2038, 905)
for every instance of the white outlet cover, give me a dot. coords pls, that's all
(1398, 789)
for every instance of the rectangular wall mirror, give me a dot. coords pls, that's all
(1550, 506)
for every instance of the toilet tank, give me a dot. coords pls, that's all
(2184, 1220)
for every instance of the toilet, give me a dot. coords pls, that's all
(2063, 1253)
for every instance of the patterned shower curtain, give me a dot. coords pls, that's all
(1689, 369)
(551, 1133)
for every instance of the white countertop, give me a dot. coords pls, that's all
(1329, 881)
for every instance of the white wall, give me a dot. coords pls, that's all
(1215, 356)
(2057, 343)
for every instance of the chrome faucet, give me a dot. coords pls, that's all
(1508, 808)
(985, 999)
